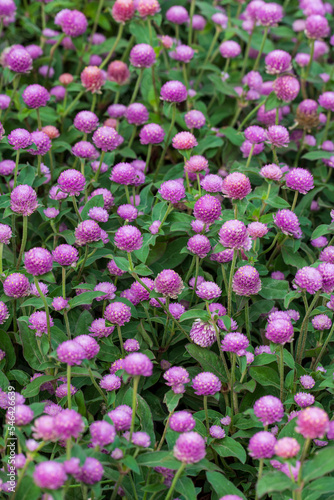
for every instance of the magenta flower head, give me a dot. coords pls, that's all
(42, 143)
(202, 334)
(321, 322)
(148, 8)
(107, 139)
(247, 146)
(168, 283)
(234, 342)
(123, 10)
(212, 183)
(184, 141)
(4, 313)
(59, 304)
(271, 172)
(286, 88)
(73, 22)
(236, 185)
(72, 182)
(123, 173)
(92, 79)
(38, 261)
(16, 285)
(136, 364)
(111, 382)
(113, 269)
(116, 110)
(87, 231)
(127, 212)
(312, 423)
(279, 331)
(118, 313)
(38, 322)
(91, 472)
(327, 273)
(173, 91)
(177, 15)
(194, 119)
(278, 61)
(35, 96)
(288, 223)
(5, 234)
(84, 149)
(304, 399)
(128, 238)
(199, 245)
(255, 134)
(262, 445)
(86, 121)
(172, 191)
(230, 497)
(50, 475)
(206, 384)
(278, 136)
(89, 345)
(269, 410)
(98, 214)
(208, 290)
(308, 279)
(131, 345)
(257, 230)
(207, 209)
(23, 200)
(151, 133)
(137, 114)
(246, 281)
(326, 100)
(230, 49)
(176, 378)
(102, 433)
(300, 180)
(71, 353)
(196, 163)
(307, 381)
(19, 138)
(270, 14)
(307, 114)
(142, 55)
(316, 27)
(7, 8)
(287, 447)
(99, 329)
(233, 234)
(69, 423)
(7, 167)
(182, 421)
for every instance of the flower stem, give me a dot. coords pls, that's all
(41, 294)
(113, 48)
(16, 167)
(148, 157)
(138, 82)
(205, 404)
(175, 480)
(259, 474)
(281, 371)
(247, 319)
(120, 340)
(250, 156)
(323, 349)
(69, 402)
(310, 61)
(251, 113)
(213, 43)
(162, 157)
(191, 15)
(24, 240)
(1, 251)
(229, 296)
(134, 404)
(99, 168)
(96, 385)
(244, 66)
(303, 329)
(195, 283)
(265, 34)
(74, 201)
(294, 203)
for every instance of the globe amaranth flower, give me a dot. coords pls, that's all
(5, 234)
(308, 279)
(92, 79)
(108, 199)
(269, 410)
(120, 418)
(286, 88)
(269, 14)
(207, 209)
(86, 232)
(35, 96)
(257, 230)
(230, 49)
(206, 384)
(321, 322)
(189, 448)
(168, 283)
(202, 334)
(7, 167)
(118, 313)
(176, 377)
(4, 313)
(326, 100)
(23, 200)
(16, 285)
(42, 143)
(208, 290)
(199, 22)
(233, 234)
(327, 273)
(300, 180)
(173, 91)
(246, 281)
(288, 223)
(271, 172)
(19, 138)
(50, 475)
(86, 121)
(255, 134)
(38, 322)
(278, 61)
(172, 191)
(277, 136)
(148, 8)
(142, 55)
(118, 72)
(89, 345)
(123, 173)
(72, 182)
(151, 133)
(176, 310)
(199, 245)
(71, 353)
(131, 345)
(72, 22)
(123, 10)
(136, 114)
(316, 26)
(194, 119)
(98, 214)
(234, 342)
(304, 399)
(128, 238)
(38, 261)
(248, 146)
(279, 331)
(99, 329)
(287, 447)
(236, 186)
(320, 242)
(182, 421)
(184, 141)
(212, 183)
(177, 15)
(262, 445)
(107, 139)
(307, 114)
(312, 423)
(110, 382)
(59, 303)
(85, 150)
(307, 381)
(102, 433)
(136, 364)
(140, 291)
(196, 163)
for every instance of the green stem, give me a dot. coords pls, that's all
(323, 349)
(250, 156)
(39, 121)
(134, 404)
(73, 103)
(244, 66)
(191, 15)
(205, 404)
(46, 310)
(281, 371)
(138, 82)
(234, 397)
(133, 135)
(251, 113)
(74, 201)
(16, 82)
(195, 283)
(329, 114)
(199, 184)
(247, 320)
(63, 281)
(294, 203)
(83, 263)
(16, 167)
(257, 61)
(24, 240)
(175, 480)
(113, 48)
(161, 442)
(190, 270)
(97, 18)
(271, 246)
(229, 296)
(213, 43)
(120, 340)
(116, 487)
(99, 168)
(148, 157)
(68, 330)
(162, 157)
(92, 108)
(69, 401)
(96, 385)
(310, 61)
(127, 194)
(259, 474)
(1, 252)
(303, 329)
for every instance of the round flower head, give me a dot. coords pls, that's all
(172, 191)
(184, 140)
(206, 384)
(300, 180)
(96, 166)
(44, 429)
(255, 134)
(102, 433)
(42, 143)
(99, 329)
(16, 285)
(98, 214)
(321, 322)
(173, 91)
(182, 53)
(233, 234)
(84, 149)
(176, 310)
(316, 26)
(327, 273)
(217, 432)
(19, 138)
(118, 313)
(287, 447)
(212, 183)
(194, 119)
(148, 8)
(246, 281)
(127, 212)
(304, 399)
(50, 475)
(176, 378)
(61, 391)
(68, 423)
(38, 322)
(286, 88)
(116, 110)
(269, 410)
(123, 173)
(326, 100)
(137, 363)
(208, 290)
(271, 172)
(151, 133)
(118, 72)
(307, 381)
(320, 242)
(207, 209)
(4, 313)
(19, 60)
(262, 445)
(7, 8)
(140, 292)
(307, 114)
(23, 200)
(182, 421)
(234, 342)
(312, 423)
(73, 23)
(111, 382)
(107, 139)
(247, 147)
(72, 182)
(7, 167)
(92, 79)
(189, 448)
(59, 304)
(108, 288)
(199, 245)
(269, 14)
(51, 131)
(309, 279)
(86, 121)
(89, 345)
(137, 114)
(131, 345)
(230, 497)
(121, 419)
(202, 334)
(71, 353)
(278, 61)
(196, 163)
(257, 230)
(35, 96)
(288, 223)
(142, 55)
(230, 49)
(38, 261)
(123, 10)
(87, 232)
(278, 136)
(168, 283)
(177, 15)
(279, 331)
(128, 238)
(199, 22)
(236, 186)
(5, 234)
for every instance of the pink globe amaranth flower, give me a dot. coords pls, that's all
(286, 88)
(233, 234)
(107, 139)
(177, 14)
(182, 53)
(235, 342)
(98, 214)
(182, 421)
(72, 182)
(212, 183)
(131, 345)
(268, 117)
(71, 353)
(84, 149)
(87, 231)
(257, 230)
(279, 331)
(56, 193)
(198, 226)
(86, 121)
(151, 133)
(287, 447)
(23, 200)
(23, 415)
(50, 475)
(195, 164)
(307, 114)
(148, 7)
(321, 322)
(327, 272)
(19, 138)
(16, 285)
(35, 96)
(247, 146)
(118, 72)
(73, 23)
(269, 410)
(113, 269)
(38, 261)
(35, 51)
(69, 423)
(176, 377)
(127, 212)
(206, 384)
(307, 381)
(230, 497)
(278, 136)
(123, 173)
(38, 322)
(262, 445)
(222, 257)
(7, 8)
(246, 281)
(255, 134)
(288, 223)
(139, 291)
(262, 349)
(208, 290)
(142, 55)
(252, 9)
(42, 143)
(217, 432)
(136, 364)
(43, 428)
(128, 238)
(136, 114)
(236, 186)
(102, 433)
(302, 59)
(220, 19)
(316, 26)
(99, 329)
(121, 418)
(7, 167)
(199, 245)
(300, 180)
(59, 304)
(194, 119)
(308, 279)
(108, 288)
(230, 49)
(326, 100)
(61, 391)
(173, 91)
(168, 283)
(123, 10)
(202, 334)
(304, 399)
(176, 310)
(199, 22)
(118, 313)
(89, 345)
(92, 79)
(271, 172)
(184, 141)
(312, 423)
(320, 242)
(253, 80)
(138, 438)
(207, 209)
(269, 14)
(116, 110)
(110, 382)
(330, 432)
(4, 313)
(5, 234)
(96, 165)
(172, 191)
(277, 275)
(278, 61)
(189, 448)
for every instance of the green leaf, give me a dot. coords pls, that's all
(272, 102)
(229, 447)
(277, 202)
(96, 201)
(321, 464)
(208, 360)
(7, 346)
(320, 231)
(130, 462)
(186, 487)
(171, 400)
(158, 458)
(274, 289)
(27, 490)
(143, 270)
(234, 136)
(222, 486)
(294, 259)
(318, 155)
(274, 481)
(195, 313)
(84, 298)
(33, 388)
(317, 488)
(265, 376)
